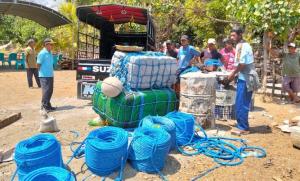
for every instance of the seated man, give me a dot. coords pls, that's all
(211, 57)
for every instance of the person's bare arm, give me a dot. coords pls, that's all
(26, 58)
(222, 59)
(239, 68)
(209, 68)
(39, 66)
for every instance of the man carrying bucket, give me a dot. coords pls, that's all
(45, 66)
(247, 81)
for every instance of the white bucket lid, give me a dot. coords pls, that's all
(197, 75)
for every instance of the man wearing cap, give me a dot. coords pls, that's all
(45, 65)
(31, 66)
(186, 54)
(211, 57)
(170, 51)
(248, 81)
(291, 72)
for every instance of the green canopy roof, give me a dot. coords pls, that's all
(43, 15)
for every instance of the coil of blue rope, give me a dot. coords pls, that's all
(50, 173)
(184, 126)
(161, 122)
(42, 150)
(149, 149)
(106, 150)
(221, 149)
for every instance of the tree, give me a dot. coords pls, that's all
(267, 17)
(208, 19)
(66, 36)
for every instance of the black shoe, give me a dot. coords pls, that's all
(52, 108)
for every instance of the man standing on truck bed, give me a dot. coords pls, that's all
(45, 66)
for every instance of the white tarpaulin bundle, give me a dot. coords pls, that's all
(144, 70)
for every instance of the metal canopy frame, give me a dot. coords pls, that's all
(43, 15)
(104, 16)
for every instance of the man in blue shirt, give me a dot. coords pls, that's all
(186, 54)
(45, 66)
(247, 81)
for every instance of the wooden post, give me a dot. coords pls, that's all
(265, 63)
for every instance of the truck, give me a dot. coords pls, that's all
(100, 29)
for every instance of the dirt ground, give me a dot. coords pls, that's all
(282, 161)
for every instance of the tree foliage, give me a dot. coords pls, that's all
(199, 19)
(277, 16)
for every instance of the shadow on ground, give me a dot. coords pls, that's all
(65, 108)
(263, 129)
(223, 127)
(172, 166)
(69, 107)
(258, 109)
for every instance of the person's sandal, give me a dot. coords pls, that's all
(297, 101)
(238, 132)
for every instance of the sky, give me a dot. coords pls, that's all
(53, 4)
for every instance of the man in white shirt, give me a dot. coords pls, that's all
(247, 81)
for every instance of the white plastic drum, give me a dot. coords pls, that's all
(197, 83)
(196, 104)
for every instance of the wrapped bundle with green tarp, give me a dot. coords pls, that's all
(127, 109)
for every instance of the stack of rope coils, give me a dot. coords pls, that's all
(161, 122)
(50, 174)
(106, 150)
(184, 126)
(149, 149)
(39, 151)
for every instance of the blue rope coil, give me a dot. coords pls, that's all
(161, 122)
(50, 173)
(106, 150)
(148, 149)
(184, 126)
(42, 150)
(221, 149)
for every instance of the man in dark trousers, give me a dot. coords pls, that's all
(45, 66)
(31, 66)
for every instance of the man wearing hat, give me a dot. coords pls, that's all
(186, 54)
(211, 57)
(291, 72)
(31, 66)
(45, 65)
